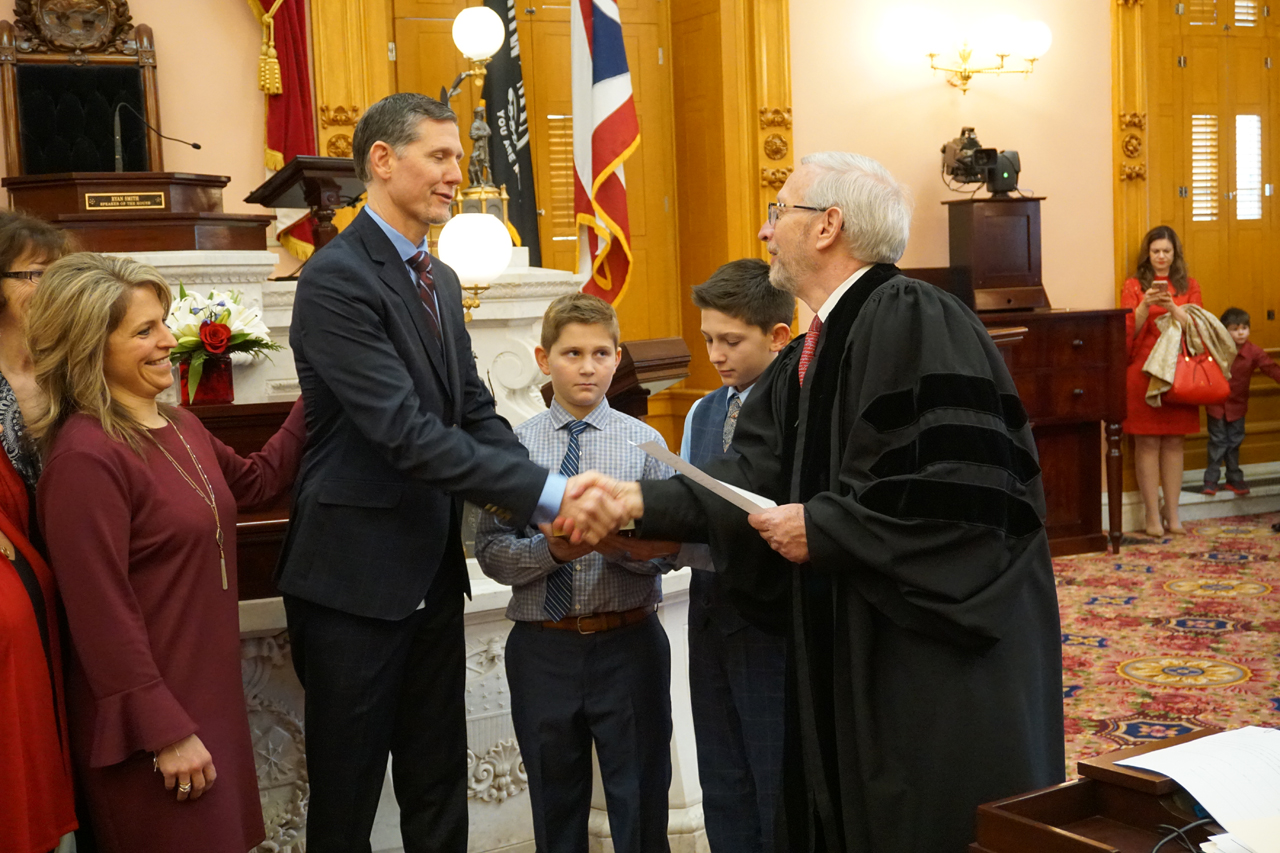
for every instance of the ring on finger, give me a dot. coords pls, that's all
(185, 787)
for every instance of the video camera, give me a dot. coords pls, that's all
(965, 161)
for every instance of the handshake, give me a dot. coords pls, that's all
(596, 506)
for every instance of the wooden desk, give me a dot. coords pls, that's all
(177, 211)
(1111, 809)
(1070, 372)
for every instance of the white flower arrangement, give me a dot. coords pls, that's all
(217, 324)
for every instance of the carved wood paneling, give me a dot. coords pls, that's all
(1129, 98)
(352, 68)
(733, 130)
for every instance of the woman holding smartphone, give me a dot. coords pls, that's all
(1161, 286)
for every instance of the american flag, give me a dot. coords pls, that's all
(605, 133)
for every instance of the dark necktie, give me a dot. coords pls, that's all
(810, 346)
(421, 265)
(730, 421)
(559, 595)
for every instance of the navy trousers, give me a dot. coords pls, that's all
(376, 687)
(1225, 438)
(737, 688)
(613, 689)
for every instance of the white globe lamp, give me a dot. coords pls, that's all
(478, 32)
(478, 248)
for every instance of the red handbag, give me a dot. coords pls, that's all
(1197, 379)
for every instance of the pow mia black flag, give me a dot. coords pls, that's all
(510, 159)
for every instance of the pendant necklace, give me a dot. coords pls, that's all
(205, 494)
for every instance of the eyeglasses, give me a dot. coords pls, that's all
(776, 209)
(32, 276)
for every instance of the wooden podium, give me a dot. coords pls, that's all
(1111, 809)
(139, 211)
(322, 184)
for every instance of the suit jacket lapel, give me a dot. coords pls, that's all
(395, 274)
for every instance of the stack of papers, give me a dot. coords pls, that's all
(1235, 776)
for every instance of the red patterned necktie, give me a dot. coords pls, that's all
(810, 345)
(421, 264)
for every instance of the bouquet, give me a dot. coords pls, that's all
(214, 325)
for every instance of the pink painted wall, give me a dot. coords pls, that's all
(207, 67)
(861, 82)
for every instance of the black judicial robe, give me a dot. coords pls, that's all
(925, 664)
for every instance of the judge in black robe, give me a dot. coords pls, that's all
(925, 664)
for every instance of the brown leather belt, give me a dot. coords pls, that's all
(598, 622)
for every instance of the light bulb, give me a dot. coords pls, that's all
(478, 32)
(1035, 39)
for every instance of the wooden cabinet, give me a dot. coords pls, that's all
(1069, 369)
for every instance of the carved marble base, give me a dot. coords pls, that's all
(507, 326)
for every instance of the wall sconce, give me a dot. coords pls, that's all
(1027, 40)
(478, 32)
(478, 247)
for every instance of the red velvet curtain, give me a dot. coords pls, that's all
(291, 124)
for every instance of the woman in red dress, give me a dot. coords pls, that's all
(36, 802)
(1158, 434)
(138, 503)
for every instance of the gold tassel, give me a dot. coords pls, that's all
(269, 79)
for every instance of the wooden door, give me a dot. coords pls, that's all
(1215, 106)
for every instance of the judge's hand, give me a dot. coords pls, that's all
(562, 549)
(783, 528)
(589, 510)
(628, 493)
(638, 549)
(187, 766)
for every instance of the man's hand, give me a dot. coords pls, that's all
(783, 528)
(638, 549)
(562, 549)
(627, 493)
(590, 511)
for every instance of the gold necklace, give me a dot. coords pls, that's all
(207, 498)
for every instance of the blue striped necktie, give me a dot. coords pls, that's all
(560, 582)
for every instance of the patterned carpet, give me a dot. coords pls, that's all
(1171, 636)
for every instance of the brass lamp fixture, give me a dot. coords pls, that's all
(1027, 40)
(478, 247)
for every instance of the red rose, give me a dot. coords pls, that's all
(215, 336)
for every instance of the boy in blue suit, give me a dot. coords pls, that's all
(735, 669)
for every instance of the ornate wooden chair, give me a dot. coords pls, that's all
(65, 66)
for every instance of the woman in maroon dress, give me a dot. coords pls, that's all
(138, 503)
(1158, 434)
(36, 802)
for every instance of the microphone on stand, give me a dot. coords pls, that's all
(119, 141)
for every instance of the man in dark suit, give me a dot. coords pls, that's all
(400, 429)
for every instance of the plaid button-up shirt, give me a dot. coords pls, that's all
(522, 559)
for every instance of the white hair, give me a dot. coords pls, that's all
(876, 208)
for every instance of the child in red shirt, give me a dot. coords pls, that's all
(1226, 420)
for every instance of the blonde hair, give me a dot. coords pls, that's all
(81, 300)
(578, 308)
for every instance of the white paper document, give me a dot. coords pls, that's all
(1235, 775)
(1223, 844)
(741, 498)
